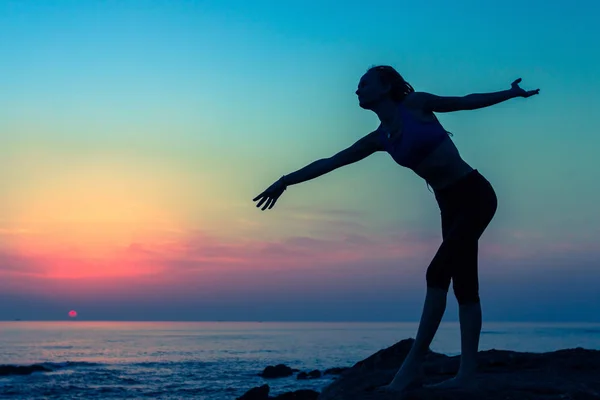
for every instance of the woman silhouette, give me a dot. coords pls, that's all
(415, 139)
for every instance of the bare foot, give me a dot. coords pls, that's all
(400, 383)
(459, 381)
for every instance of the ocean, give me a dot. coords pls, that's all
(222, 360)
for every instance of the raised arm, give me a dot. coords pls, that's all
(363, 148)
(434, 103)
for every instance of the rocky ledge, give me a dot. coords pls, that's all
(570, 374)
(22, 369)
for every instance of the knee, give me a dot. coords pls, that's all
(466, 295)
(436, 278)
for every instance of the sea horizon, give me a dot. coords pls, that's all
(517, 322)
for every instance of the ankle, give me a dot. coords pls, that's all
(417, 352)
(468, 371)
(412, 361)
(408, 370)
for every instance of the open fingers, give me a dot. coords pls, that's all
(259, 196)
(264, 199)
(516, 82)
(269, 203)
(273, 203)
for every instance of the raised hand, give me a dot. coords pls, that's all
(270, 195)
(521, 92)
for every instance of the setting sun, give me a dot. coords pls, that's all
(72, 313)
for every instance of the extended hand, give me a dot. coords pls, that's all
(270, 195)
(521, 92)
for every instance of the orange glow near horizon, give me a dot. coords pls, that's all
(83, 223)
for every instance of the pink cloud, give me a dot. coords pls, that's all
(199, 260)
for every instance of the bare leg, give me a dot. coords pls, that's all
(433, 311)
(470, 330)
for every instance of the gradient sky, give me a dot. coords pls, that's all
(134, 135)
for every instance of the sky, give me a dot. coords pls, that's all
(135, 134)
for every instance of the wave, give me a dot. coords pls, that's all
(13, 369)
(71, 364)
(590, 331)
(188, 363)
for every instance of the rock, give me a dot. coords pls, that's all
(507, 375)
(257, 393)
(335, 371)
(570, 374)
(277, 371)
(262, 393)
(302, 375)
(22, 370)
(314, 374)
(311, 375)
(303, 394)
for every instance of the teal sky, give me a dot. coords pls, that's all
(136, 133)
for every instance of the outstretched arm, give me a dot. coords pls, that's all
(434, 103)
(363, 148)
(359, 150)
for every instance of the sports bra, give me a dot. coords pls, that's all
(416, 141)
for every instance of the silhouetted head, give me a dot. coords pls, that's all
(381, 83)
